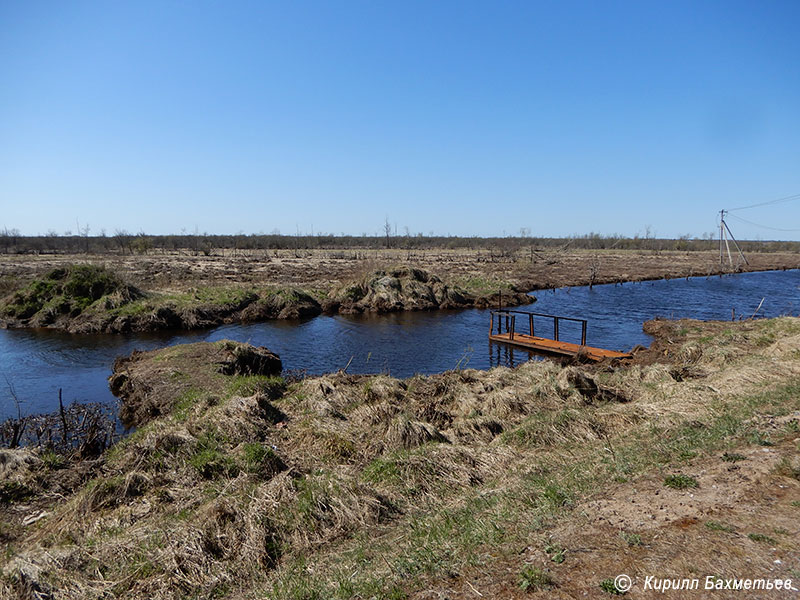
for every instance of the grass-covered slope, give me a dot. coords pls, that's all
(409, 288)
(92, 299)
(65, 293)
(538, 480)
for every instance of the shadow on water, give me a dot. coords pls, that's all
(38, 363)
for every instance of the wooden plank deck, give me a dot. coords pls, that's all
(548, 346)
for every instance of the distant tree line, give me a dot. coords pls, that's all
(125, 243)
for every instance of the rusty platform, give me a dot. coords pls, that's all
(532, 342)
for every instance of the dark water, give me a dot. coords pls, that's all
(37, 363)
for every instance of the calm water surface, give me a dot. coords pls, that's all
(35, 364)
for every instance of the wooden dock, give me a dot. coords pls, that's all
(543, 345)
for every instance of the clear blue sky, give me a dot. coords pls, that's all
(458, 118)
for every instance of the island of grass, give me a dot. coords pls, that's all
(91, 299)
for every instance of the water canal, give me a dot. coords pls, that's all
(37, 363)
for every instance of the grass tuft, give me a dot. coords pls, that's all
(533, 579)
(680, 482)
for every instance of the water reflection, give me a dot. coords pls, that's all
(502, 355)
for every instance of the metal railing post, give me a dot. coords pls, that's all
(555, 328)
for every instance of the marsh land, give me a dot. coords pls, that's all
(544, 480)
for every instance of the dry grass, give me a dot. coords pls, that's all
(353, 486)
(319, 269)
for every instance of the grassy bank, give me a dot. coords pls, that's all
(86, 298)
(511, 482)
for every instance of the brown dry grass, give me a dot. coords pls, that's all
(449, 485)
(478, 270)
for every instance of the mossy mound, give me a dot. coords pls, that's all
(409, 288)
(67, 292)
(151, 384)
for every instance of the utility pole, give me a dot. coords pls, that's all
(724, 232)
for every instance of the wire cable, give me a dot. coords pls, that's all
(762, 226)
(768, 202)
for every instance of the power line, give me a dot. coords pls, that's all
(762, 226)
(768, 202)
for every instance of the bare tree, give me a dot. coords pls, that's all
(84, 233)
(18, 424)
(9, 237)
(123, 239)
(594, 269)
(387, 230)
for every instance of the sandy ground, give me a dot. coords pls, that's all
(692, 533)
(322, 269)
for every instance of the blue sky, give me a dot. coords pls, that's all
(459, 118)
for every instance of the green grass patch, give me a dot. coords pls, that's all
(67, 291)
(260, 459)
(762, 538)
(680, 482)
(246, 385)
(483, 286)
(383, 471)
(533, 579)
(733, 457)
(14, 491)
(556, 553)
(210, 460)
(632, 539)
(185, 403)
(53, 460)
(718, 526)
(762, 439)
(609, 586)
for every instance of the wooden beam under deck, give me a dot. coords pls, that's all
(548, 346)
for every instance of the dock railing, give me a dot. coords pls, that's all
(510, 317)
